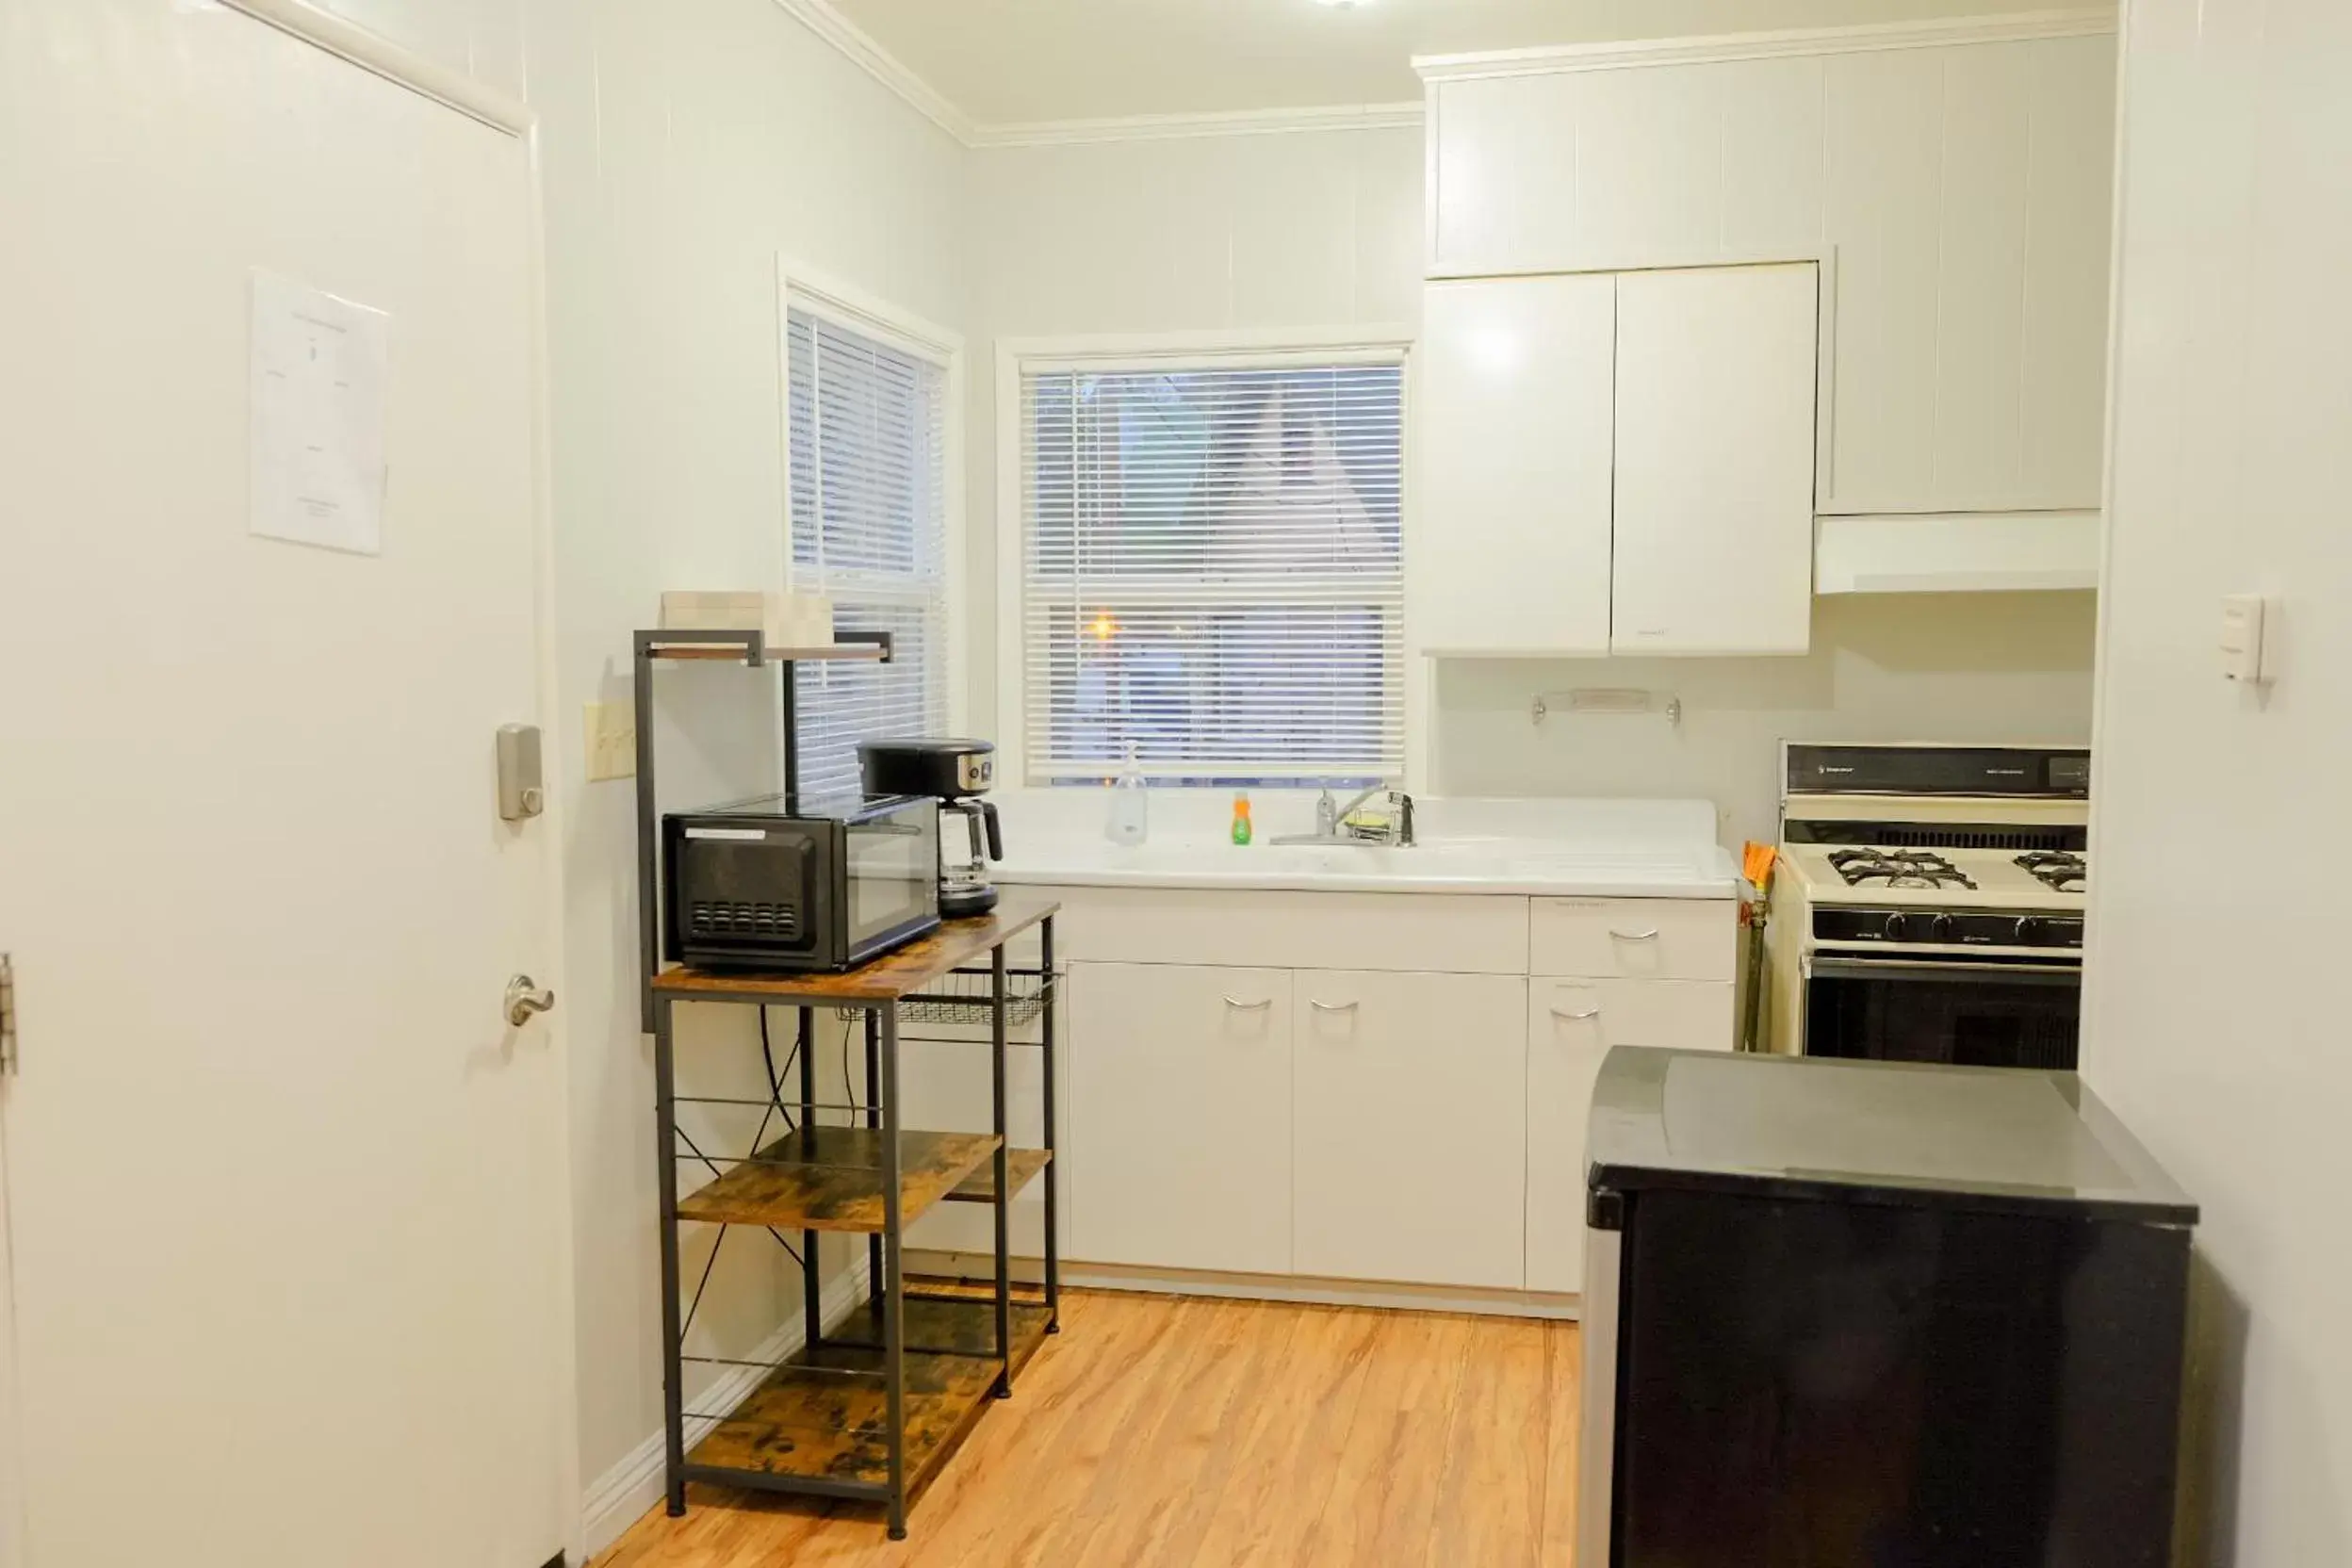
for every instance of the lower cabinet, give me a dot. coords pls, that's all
(1408, 1160)
(1570, 1026)
(1178, 1125)
(1379, 1125)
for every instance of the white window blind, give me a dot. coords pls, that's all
(1212, 573)
(868, 486)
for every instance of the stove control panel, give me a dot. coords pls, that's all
(2024, 773)
(1956, 928)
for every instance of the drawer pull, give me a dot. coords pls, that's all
(1248, 1006)
(1591, 1012)
(1331, 1006)
(1649, 935)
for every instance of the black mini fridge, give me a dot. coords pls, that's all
(1862, 1315)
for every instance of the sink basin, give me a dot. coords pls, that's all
(1259, 860)
(1434, 863)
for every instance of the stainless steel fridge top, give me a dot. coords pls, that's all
(1998, 1140)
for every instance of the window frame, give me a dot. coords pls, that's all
(1276, 349)
(802, 288)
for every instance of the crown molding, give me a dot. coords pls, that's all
(2021, 27)
(825, 21)
(393, 62)
(821, 18)
(1164, 127)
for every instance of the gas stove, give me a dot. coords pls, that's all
(2038, 887)
(1908, 875)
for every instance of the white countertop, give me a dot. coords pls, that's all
(1553, 848)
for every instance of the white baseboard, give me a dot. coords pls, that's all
(624, 1493)
(1263, 1288)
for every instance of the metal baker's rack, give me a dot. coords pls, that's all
(870, 1409)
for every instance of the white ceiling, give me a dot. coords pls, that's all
(1016, 62)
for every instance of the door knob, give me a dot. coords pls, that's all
(524, 998)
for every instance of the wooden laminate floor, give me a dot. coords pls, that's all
(1188, 1432)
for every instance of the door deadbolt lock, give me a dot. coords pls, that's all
(522, 794)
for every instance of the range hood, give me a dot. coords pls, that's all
(1953, 552)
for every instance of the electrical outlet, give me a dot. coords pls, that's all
(611, 731)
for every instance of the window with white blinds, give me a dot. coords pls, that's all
(1212, 573)
(869, 526)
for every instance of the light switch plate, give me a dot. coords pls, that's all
(611, 731)
(2246, 636)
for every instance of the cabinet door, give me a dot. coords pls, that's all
(1714, 471)
(1571, 1026)
(1409, 1157)
(1178, 1130)
(1511, 543)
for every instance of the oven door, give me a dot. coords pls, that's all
(1968, 1012)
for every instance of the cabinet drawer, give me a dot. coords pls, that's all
(1678, 1015)
(1633, 939)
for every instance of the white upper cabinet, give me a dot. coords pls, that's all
(1512, 414)
(1617, 464)
(1714, 470)
(1956, 179)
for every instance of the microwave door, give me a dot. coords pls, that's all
(890, 877)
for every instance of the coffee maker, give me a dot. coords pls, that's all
(958, 773)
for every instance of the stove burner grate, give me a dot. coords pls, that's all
(1897, 868)
(2063, 869)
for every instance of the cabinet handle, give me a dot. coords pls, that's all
(1331, 1006)
(1248, 1006)
(1649, 935)
(1591, 1012)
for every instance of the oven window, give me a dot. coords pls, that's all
(1968, 1017)
(894, 874)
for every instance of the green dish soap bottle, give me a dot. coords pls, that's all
(1241, 818)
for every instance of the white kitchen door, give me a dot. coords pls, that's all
(285, 1194)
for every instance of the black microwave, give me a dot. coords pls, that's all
(779, 884)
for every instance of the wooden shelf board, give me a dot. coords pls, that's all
(830, 1179)
(1020, 1166)
(902, 972)
(800, 1421)
(732, 653)
(938, 1287)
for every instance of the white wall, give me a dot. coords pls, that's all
(1883, 667)
(2215, 1001)
(1324, 229)
(686, 145)
(1318, 229)
(482, 38)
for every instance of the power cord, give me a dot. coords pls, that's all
(849, 1086)
(775, 1082)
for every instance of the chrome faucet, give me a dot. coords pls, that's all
(1330, 819)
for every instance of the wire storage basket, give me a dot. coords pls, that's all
(963, 996)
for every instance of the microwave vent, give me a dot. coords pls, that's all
(716, 918)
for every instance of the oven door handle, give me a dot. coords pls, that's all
(1820, 968)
